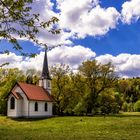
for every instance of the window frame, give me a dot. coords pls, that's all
(49, 84)
(36, 106)
(12, 103)
(46, 107)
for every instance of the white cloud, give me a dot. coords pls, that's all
(85, 18)
(67, 55)
(11, 58)
(131, 11)
(73, 56)
(45, 9)
(80, 17)
(126, 65)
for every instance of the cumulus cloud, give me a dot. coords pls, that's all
(131, 11)
(67, 55)
(45, 9)
(78, 18)
(87, 18)
(11, 58)
(127, 65)
(73, 56)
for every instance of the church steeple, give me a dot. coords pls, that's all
(45, 80)
(45, 70)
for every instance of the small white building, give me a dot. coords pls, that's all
(27, 100)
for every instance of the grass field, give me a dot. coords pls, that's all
(119, 127)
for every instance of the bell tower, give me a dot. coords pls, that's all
(45, 80)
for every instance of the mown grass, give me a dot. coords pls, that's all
(119, 127)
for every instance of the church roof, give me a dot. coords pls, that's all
(45, 70)
(34, 92)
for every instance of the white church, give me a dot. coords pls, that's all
(31, 101)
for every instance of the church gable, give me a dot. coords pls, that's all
(18, 93)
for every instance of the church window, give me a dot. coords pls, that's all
(46, 107)
(36, 106)
(49, 84)
(12, 103)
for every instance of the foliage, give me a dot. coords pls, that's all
(32, 76)
(137, 106)
(130, 89)
(18, 21)
(125, 107)
(130, 107)
(108, 103)
(61, 89)
(98, 78)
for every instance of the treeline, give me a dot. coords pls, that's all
(93, 89)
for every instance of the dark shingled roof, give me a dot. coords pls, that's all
(34, 92)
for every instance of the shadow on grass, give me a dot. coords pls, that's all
(104, 116)
(30, 119)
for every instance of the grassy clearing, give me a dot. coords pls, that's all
(119, 127)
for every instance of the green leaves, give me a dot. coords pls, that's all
(16, 20)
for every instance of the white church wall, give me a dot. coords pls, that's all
(25, 102)
(19, 108)
(41, 109)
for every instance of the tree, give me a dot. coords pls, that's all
(16, 19)
(129, 90)
(32, 76)
(98, 78)
(60, 90)
(137, 106)
(108, 103)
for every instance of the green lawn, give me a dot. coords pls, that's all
(119, 127)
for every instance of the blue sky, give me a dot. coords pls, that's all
(124, 39)
(106, 30)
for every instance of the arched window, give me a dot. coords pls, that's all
(49, 85)
(36, 106)
(12, 103)
(46, 106)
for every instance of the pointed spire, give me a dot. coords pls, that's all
(45, 70)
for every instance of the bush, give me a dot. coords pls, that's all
(108, 104)
(125, 107)
(130, 107)
(79, 109)
(137, 106)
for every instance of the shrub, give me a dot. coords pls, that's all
(130, 107)
(137, 106)
(108, 104)
(125, 107)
